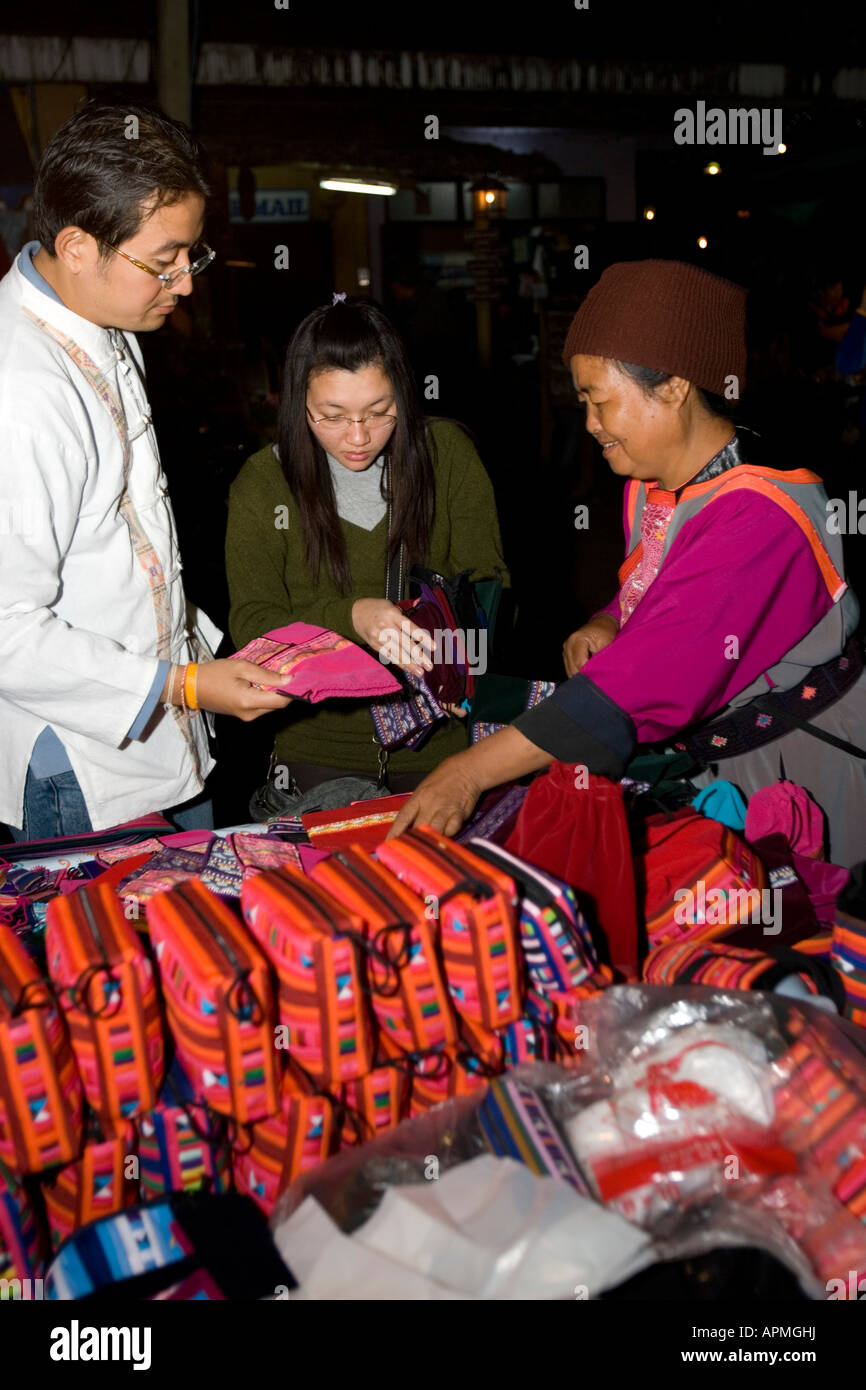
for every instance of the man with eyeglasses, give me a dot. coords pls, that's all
(103, 665)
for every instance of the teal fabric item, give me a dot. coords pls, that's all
(722, 801)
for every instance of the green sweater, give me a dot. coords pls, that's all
(270, 585)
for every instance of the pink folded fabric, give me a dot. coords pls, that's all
(784, 808)
(315, 664)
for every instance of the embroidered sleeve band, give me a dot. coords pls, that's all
(578, 723)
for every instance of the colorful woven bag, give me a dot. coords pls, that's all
(188, 1246)
(182, 1146)
(312, 941)
(218, 1001)
(101, 1182)
(558, 950)
(517, 1124)
(107, 990)
(477, 908)
(20, 1244)
(445, 1074)
(299, 1137)
(821, 1111)
(848, 951)
(407, 988)
(379, 1100)
(738, 967)
(701, 879)
(40, 1089)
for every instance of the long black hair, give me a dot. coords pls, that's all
(348, 336)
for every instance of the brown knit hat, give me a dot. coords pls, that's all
(667, 315)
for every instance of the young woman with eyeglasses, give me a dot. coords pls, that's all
(359, 487)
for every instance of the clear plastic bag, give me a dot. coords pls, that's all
(706, 1118)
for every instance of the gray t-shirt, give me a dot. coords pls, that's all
(358, 495)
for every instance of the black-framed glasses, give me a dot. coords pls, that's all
(170, 277)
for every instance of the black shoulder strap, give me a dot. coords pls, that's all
(765, 704)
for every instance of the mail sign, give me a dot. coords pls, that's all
(274, 205)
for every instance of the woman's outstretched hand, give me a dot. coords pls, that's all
(444, 800)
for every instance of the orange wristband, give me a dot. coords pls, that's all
(189, 685)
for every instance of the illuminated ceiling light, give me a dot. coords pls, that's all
(714, 167)
(358, 186)
(743, 212)
(649, 214)
(781, 148)
(702, 243)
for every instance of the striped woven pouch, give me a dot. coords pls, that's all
(218, 1001)
(477, 909)
(101, 1182)
(183, 1146)
(106, 987)
(380, 1100)
(406, 983)
(312, 941)
(739, 967)
(20, 1245)
(558, 950)
(848, 954)
(40, 1089)
(271, 1153)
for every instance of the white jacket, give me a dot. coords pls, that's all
(77, 623)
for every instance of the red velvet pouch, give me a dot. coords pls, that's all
(580, 834)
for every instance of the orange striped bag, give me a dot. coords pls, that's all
(107, 990)
(407, 989)
(312, 941)
(300, 1136)
(445, 1074)
(100, 1183)
(379, 1100)
(218, 1001)
(40, 1089)
(477, 907)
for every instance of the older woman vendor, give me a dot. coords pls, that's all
(733, 584)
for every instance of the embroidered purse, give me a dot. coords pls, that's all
(20, 1245)
(218, 1001)
(311, 941)
(407, 990)
(558, 950)
(300, 1136)
(722, 966)
(312, 663)
(183, 1146)
(107, 990)
(477, 905)
(40, 1089)
(97, 1184)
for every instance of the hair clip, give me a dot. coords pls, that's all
(338, 299)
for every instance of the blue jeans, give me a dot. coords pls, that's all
(54, 807)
